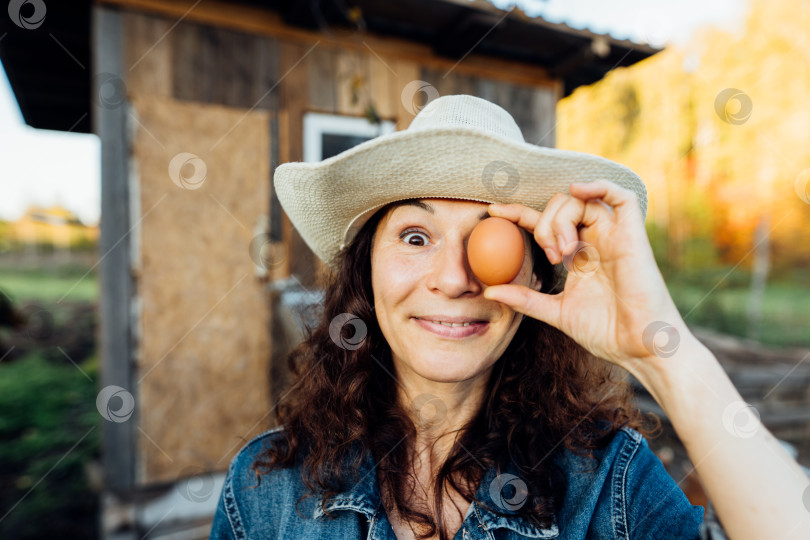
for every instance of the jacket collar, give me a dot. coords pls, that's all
(364, 494)
(364, 497)
(494, 493)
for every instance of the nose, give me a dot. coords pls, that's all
(451, 273)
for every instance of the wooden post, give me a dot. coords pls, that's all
(759, 275)
(115, 305)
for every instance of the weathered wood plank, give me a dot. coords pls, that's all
(520, 106)
(351, 82)
(295, 89)
(236, 68)
(322, 73)
(445, 83)
(115, 276)
(148, 54)
(544, 105)
(465, 84)
(188, 79)
(294, 96)
(407, 72)
(259, 20)
(266, 86)
(209, 43)
(383, 87)
(485, 88)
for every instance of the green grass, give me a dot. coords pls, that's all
(49, 430)
(785, 311)
(49, 284)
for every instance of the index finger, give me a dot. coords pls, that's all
(620, 200)
(522, 215)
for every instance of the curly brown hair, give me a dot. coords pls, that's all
(543, 391)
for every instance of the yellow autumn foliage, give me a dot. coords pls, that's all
(719, 130)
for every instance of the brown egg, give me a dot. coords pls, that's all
(495, 250)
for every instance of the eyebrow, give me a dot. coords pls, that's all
(429, 208)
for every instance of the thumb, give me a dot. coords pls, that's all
(540, 306)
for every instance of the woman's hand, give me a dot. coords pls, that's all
(615, 303)
(614, 308)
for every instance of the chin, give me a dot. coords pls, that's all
(450, 368)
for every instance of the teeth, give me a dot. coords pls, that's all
(453, 324)
(448, 323)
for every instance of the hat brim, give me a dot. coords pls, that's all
(329, 201)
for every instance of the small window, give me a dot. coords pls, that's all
(326, 135)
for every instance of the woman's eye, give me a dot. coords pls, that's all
(414, 238)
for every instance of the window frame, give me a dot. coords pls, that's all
(318, 124)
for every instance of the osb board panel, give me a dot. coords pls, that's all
(204, 347)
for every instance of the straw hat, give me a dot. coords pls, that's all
(460, 146)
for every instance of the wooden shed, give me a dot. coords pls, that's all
(201, 273)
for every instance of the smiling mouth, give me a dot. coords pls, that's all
(450, 324)
(453, 330)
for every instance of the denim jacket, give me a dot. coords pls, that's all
(627, 494)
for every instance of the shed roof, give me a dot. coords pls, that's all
(50, 73)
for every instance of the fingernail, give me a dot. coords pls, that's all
(561, 243)
(551, 254)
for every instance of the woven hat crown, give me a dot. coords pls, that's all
(467, 112)
(457, 147)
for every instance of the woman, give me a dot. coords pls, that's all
(428, 405)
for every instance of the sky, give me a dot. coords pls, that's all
(43, 167)
(657, 22)
(40, 167)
